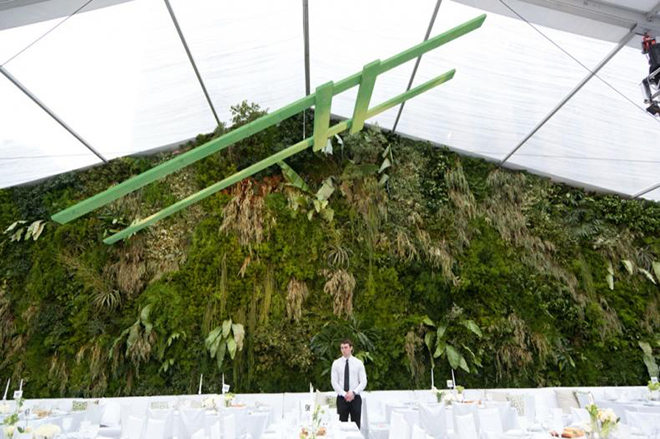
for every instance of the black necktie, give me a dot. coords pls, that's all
(346, 377)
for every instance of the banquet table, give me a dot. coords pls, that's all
(291, 430)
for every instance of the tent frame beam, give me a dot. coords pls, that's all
(419, 59)
(572, 93)
(604, 13)
(192, 60)
(51, 113)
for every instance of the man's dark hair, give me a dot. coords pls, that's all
(346, 341)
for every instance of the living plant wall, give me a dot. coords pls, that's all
(424, 258)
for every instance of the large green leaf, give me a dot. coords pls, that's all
(629, 265)
(427, 321)
(326, 190)
(648, 275)
(441, 331)
(453, 356)
(231, 347)
(239, 334)
(429, 339)
(226, 327)
(649, 360)
(464, 365)
(293, 178)
(211, 338)
(656, 269)
(220, 357)
(472, 327)
(439, 349)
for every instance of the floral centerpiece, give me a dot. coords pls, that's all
(212, 402)
(9, 424)
(229, 397)
(315, 430)
(654, 388)
(447, 397)
(603, 422)
(47, 431)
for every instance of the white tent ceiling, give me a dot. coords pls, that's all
(119, 77)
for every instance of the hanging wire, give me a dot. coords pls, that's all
(47, 32)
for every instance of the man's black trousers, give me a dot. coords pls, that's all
(354, 408)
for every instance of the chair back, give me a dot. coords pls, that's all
(433, 419)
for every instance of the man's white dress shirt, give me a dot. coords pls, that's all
(357, 376)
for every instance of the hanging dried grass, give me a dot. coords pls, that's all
(340, 284)
(297, 292)
(244, 213)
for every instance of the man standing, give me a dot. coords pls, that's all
(349, 380)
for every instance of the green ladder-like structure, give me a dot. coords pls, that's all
(321, 99)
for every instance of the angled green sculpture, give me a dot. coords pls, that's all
(321, 99)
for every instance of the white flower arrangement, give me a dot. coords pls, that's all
(602, 421)
(47, 431)
(213, 402)
(229, 397)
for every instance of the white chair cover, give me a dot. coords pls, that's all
(465, 426)
(490, 420)
(155, 429)
(76, 419)
(215, 431)
(199, 434)
(258, 424)
(398, 427)
(94, 412)
(229, 427)
(504, 410)
(648, 423)
(163, 415)
(190, 421)
(132, 428)
(111, 415)
(418, 432)
(240, 419)
(460, 409)
(433, 420)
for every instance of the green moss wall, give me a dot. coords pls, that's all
(433, 238)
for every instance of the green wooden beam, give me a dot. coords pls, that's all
(182, 161)
(369, 74)
(273, 159)
(215, 145)
(322, 114)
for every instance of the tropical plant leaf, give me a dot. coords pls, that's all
(648, 275)
(649, 360)
(439, 349)
(226, 327)
(429, 339)
(610, 269)
(441, 331)
(472, 327)
(610, 281)
(326, 190)
(427, 321)
(220, 356)
(292, 177)
(656, 269)
(629, 265)
(386, 164)
(453, 356)
(383, 179)
(231, 347)
(464, 365)
(239, 334)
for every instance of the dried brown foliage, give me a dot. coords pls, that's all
(340, 284)
(296, 293)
